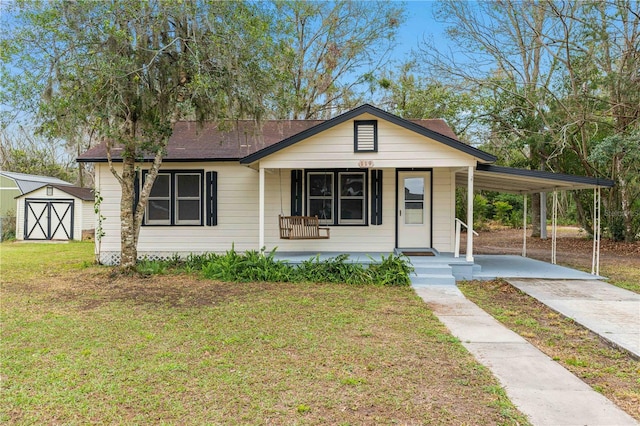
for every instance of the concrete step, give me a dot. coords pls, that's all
(432, 279)
(433, 270)
(432, 274)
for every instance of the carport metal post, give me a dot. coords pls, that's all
(554, 228)
(524, 227)
(595, 257)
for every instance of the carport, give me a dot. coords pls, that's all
(525, 182)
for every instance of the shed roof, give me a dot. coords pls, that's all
(27, 183)
(85, 194)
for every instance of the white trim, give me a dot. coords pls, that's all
(595, 257)
(470, 214)
(261, 208)
(554, 228)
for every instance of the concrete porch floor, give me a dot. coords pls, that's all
(484, 267)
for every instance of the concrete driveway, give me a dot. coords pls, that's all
(609, 311)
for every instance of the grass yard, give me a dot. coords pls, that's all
(81, 345)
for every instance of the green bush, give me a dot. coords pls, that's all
(502, 211)
(255, 265)
(8, 227)
(151, 267)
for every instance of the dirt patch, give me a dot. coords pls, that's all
(572, 242)
(92, 289)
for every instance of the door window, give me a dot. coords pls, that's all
(414, 201)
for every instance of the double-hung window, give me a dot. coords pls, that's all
(351, 202)
(337, 197)
(320, 196)
(176, 198)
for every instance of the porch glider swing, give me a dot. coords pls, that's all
(296, 226)
(302, 228)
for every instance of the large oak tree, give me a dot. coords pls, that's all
(128, 69)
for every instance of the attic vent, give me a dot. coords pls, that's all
(366, 136)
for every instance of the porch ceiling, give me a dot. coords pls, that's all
(522, 181)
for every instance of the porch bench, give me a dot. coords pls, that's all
(302, 228)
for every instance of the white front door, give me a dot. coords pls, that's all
(414, 209)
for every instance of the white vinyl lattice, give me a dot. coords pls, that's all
(112, 258)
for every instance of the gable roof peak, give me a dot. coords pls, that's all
(381, 114)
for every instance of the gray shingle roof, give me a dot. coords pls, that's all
(27, 183)
(233, 141)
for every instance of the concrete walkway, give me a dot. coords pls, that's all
(607, 310)
(542, 389)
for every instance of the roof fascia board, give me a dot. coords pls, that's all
(588, 182)
(165, 160)
(367, 109)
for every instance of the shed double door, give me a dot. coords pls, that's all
(48, 220)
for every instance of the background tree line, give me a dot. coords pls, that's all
(545, 85)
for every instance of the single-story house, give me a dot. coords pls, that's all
(378, 182)
(13, 184)
(55, 212)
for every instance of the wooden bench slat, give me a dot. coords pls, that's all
(301, 228)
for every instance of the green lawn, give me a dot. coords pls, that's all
(82, 345)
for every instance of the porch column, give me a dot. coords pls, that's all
(261, 209)
(470, 215)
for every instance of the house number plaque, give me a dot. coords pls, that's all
(363, 164)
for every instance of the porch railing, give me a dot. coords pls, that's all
(459, 225)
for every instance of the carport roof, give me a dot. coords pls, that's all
(522, 181)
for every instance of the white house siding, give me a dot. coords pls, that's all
(443, 210)
(237, 216)
(79, 210)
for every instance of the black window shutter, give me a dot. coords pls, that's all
(376, 197)
(296, 192)
(212, 198)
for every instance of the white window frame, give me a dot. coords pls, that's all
(173, 199)
(148, 221)
(178, 198)
(331, 197)
(362, 197)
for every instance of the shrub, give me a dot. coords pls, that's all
(8, 227)
(261, 266)
(392, 270)
(502, 211)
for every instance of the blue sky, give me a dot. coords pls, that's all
(419, 24)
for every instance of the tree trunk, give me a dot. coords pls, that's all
(128, 240)
(582, 214)
(625, 204)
